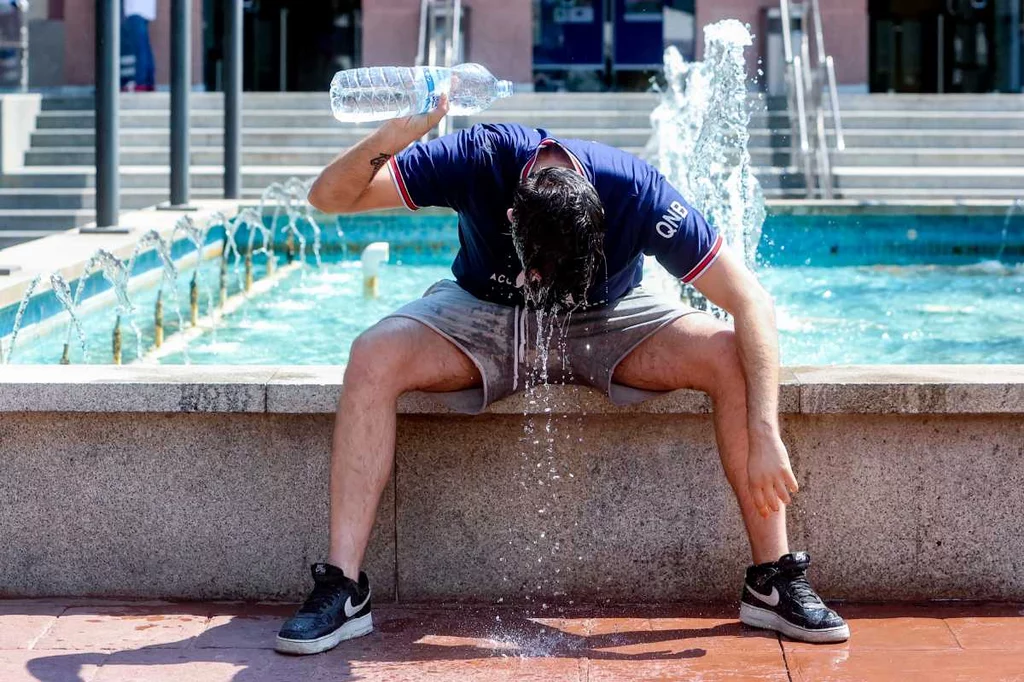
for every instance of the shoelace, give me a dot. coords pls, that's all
(320, 599)
(801, 589)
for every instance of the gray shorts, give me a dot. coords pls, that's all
(502, 341)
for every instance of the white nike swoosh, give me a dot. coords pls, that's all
(353, 610)
(769, 599)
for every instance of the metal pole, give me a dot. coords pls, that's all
(181, 84)
(283, 54)
(22, 7)
(233, 100)
(1015, 48)
(108, 83)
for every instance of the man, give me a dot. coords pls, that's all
(137, 15)
(556, 226)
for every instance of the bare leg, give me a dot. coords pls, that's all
(699, 352)
(393, 357)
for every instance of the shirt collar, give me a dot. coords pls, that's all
(547, 142)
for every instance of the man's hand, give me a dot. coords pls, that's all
(399, 133)
(771, 478)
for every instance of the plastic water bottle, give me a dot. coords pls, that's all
(383, 92)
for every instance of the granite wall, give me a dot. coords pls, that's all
(212, 483)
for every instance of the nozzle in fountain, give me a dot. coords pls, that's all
(223, 281)
(65, 357)
(193, 301)
(373, 255)
(117, 341)
(248, 272)
(289, 248)
(158, 321)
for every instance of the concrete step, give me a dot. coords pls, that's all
(930, 102)
(85, 197)
(952, 178)
(254, 156)
(931, 139)
(304, 118)
(903, 120)
(317, 139)
(34, 220)
(931, 120)
(152, 177)
(898, 156)
(320, 100)
(203, 137)
(15, 237)
(199, 119)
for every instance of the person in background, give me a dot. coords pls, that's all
(137, 15)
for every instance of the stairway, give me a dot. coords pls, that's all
(898, 147)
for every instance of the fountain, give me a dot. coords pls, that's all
(18, 317)
(288, 198)
(701, 137)
(62, 290)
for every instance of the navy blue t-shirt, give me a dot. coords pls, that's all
(476, 171)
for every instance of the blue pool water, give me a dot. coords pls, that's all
(850, 289)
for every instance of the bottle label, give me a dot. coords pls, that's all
(432, 99)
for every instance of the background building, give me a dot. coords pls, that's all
(878, 45)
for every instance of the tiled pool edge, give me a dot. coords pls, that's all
(866, 389)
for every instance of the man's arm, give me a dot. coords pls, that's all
(730, 285)
(352, 182)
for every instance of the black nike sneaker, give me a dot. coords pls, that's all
(778, 597)
(337, 609)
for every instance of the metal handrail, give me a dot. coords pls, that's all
(795, 95)
(837, 119)
(421, 47)
(807, 85)
(440, 48)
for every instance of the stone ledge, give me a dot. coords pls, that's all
(136, 388)
(900, 389)
(912, 389)
(894, 207)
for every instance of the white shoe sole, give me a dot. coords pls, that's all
(357, 627)
(769, 620)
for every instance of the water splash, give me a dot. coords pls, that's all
(169, 277)
(542, 475)
(297, 203)
(117, 274)
(62, 290)
(701, 135)
(19, 316)
(197, 236)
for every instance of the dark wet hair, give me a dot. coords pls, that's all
(558, 231)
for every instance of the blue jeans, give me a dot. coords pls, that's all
(136, 31)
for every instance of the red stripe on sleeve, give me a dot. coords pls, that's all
(403, 191)
(705, 262)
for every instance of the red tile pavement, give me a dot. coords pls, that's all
(22, 624)
(956, 665)
(37, 666)
(55, 641)
(118, 627)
